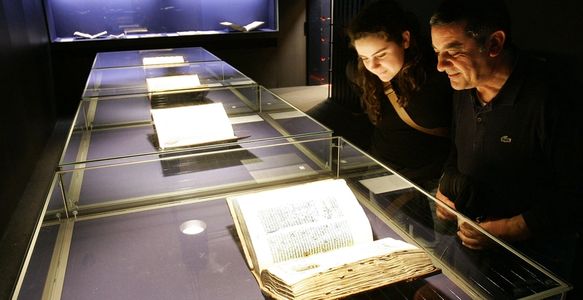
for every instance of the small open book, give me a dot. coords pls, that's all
(87, 35)
(192, 125)
(163, 60)
(244, 28)
(314, 241)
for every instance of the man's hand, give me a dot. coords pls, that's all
(442, 212)
(509, 229)
(471, 237)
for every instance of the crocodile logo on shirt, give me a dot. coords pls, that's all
(505, 139)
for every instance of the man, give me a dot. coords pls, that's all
(516, 164)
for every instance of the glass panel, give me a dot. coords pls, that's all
(161, 78)
(135, 58)
(498, 272)
(164, 176)
(124, 221)
(122, 128)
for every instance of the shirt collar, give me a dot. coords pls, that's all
(509, 91)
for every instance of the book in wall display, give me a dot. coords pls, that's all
(314, 241)
(243, 28)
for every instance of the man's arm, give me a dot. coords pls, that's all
(508, 229)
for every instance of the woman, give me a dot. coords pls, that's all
(393, 58)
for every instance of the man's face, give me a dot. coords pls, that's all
(459, 55)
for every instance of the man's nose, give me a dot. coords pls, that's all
(442, 62)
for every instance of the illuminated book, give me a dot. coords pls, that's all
(177, 90)
(172, 83)
(314, 241)
(192, 125)
(163, 60)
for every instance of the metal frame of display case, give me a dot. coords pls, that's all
(134, 58)
(248, 107)
(254, 111)
(115, 196)
(114, 125)
(125, 81)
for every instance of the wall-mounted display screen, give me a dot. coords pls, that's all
(78, 20)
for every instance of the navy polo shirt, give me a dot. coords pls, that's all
(515, 150)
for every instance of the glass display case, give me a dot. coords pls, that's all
(86, 20)
(121, 128)
(112, 231)
(136, 58)
(162, 77)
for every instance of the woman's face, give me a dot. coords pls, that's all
(381, 57)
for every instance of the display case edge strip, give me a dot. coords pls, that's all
(53, 287)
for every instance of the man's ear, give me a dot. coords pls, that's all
(406, 35)
(495, 43)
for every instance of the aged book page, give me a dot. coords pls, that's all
(301, 220)
(345, 271)
(292, 271)
(314, 241)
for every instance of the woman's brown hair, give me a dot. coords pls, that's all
(386, 19)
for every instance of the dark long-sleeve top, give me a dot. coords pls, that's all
(521, 153)
(417, 155)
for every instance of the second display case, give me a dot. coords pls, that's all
(82, 20)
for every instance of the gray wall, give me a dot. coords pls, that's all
(27, 116)
(280, 66)
(27, 111)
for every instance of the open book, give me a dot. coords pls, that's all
(192, 125)
(87, 35)
(314, 241)
(243, 28)
(163, 60)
